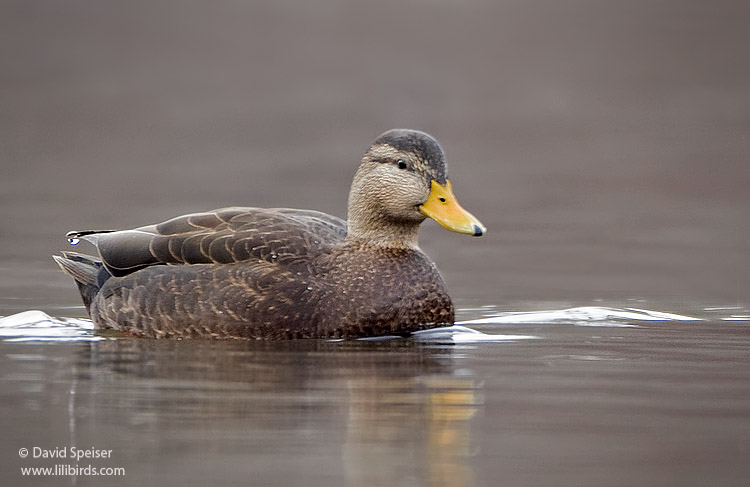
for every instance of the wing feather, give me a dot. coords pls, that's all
(275, 236)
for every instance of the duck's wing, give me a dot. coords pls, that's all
(278, 235)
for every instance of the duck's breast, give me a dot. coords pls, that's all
(376, 291)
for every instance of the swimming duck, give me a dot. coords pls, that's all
(283, 273)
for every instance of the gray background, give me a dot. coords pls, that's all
(603, 143)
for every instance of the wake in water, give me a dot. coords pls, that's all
(36, 326)
(582, 316)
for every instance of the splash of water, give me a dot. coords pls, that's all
(36, 325)
(582, 316)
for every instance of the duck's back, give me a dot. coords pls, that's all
(224, 236)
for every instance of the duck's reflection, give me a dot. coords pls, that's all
(397, 413)
(415, 427)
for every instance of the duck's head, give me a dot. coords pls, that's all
(401, 181)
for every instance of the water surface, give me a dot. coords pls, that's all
(600, 396)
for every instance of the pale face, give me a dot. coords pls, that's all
(397, 192)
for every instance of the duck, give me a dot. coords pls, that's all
(282, 273)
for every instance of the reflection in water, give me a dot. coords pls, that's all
(450, 433)
(406, 415)
(419, 425)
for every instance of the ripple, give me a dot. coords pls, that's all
(582, 316)
(35, 325)
(737, 318)
(462, 335)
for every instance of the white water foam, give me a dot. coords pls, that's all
(582, 316)
(462, 335)
(447, 335)
(737, 318)
(37, 325)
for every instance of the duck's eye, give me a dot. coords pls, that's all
(401, 164)
(442, 200)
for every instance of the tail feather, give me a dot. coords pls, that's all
(85, 269)
(82, 267)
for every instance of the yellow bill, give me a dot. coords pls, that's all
(442, 207)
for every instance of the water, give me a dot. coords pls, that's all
(602, 143)
(586, 396)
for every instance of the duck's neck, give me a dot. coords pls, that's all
(382, 233)
(368, 225)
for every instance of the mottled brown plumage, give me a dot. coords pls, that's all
(282, 273)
